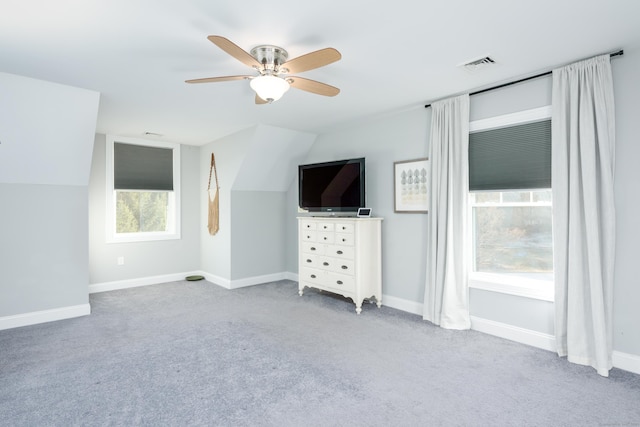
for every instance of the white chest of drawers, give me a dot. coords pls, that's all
(341, 255)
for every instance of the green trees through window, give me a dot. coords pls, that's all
(141, 211)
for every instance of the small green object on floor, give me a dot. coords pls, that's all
(194, 278)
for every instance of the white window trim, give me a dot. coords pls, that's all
(110, 219)
(523, 286)
(528, 287)
(517, 118)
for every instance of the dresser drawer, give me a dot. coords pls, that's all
(342, 266)
(336, 265)
(345, 227)
(309, 235)
(309, 260)
(340, 282)
(312, 275)
(326, 236)
(344, 239)
(342, 252)
(313, 248)
(326, 226)
(308, 225)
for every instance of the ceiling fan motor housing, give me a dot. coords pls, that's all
(271, 57)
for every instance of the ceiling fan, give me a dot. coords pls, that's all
(274, 67)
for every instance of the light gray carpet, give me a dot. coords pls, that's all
(191, 353)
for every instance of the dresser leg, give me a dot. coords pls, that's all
(359, 308)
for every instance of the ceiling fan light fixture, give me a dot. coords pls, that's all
(269, 88)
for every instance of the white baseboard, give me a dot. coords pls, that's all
(44, 316)
(626, 361)
(402, 304)
(514, 333)
(291, 276)
(503, 330)
(217, 280)
(257, 280)
(248, 281)
(141, 281)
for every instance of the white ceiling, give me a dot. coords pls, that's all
(395, 55)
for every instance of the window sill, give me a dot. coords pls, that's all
(529, 286)
(142, 237)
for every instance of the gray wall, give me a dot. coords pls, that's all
(626, 302)
(44, 261)
(257, 227)
(215, 251)
(255, 168)
(143, 259)
(47, 138)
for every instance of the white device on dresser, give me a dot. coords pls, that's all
(341, 255)
(364, 213)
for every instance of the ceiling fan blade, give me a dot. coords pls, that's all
(313, 86)
(217, 79)
(260, 101)
(312, 60)
(235, 51)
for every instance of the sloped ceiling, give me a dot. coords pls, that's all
(46, 132)
(396, 55)
(271, 162)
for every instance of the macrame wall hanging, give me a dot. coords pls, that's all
(214, 210)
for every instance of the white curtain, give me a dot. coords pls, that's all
(583, 151)
(446, 300)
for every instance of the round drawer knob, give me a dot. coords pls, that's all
(344, 267)
(325, 263)
(339, 282)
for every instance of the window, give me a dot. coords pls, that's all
(510, 204)
(143, 190)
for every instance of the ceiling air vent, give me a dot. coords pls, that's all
(478, 64)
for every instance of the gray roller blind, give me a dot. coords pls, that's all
(138, 167)
(511, 158)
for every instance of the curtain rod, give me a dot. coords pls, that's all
(611, 55)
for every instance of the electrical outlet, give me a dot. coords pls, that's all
(120, 260)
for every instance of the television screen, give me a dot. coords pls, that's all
(336, 186)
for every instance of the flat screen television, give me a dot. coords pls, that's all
(336, 186)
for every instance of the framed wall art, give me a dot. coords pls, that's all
(410, 186)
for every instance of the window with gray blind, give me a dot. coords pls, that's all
(138, 167)
(143, 190)
(511, 158)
